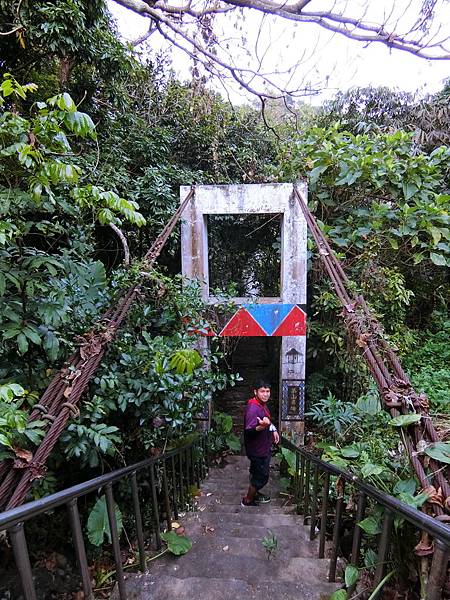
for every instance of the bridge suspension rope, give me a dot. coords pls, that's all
(60, 400)
(395, 388)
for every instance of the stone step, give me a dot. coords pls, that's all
(212, 544)
(239, 488)
(254, 570)
(295, 534)
(226, 497)
(247, 518)
(266, 509)
(146, 587)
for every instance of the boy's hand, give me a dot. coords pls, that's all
(263, 423)
(276, 437)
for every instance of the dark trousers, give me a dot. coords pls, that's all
(259, 470)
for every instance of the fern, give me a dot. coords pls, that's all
(185, 360)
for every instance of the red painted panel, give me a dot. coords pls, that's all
(242, 324)
(293, 324)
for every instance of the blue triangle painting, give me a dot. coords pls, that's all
(269, 316)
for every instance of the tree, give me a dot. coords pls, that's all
(191, 26)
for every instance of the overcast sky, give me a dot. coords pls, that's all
(335, 62)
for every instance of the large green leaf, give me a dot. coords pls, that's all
(4, 440)
(185, 360)
(439, 451)
(9, 391)
(369, 404)
(233, 442)
(371, 469)
(405, 486)
(176, 544)
(289, 457)
(350, 451)
(98, 524)
(438, 259)
(405, 420)
(351, 575)
(370, 525)
(339, 595)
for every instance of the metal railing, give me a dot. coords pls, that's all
(309, 469)
(171, 476)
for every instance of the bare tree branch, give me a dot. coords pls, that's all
(18, 28)
(190, 25)
(363, 30)
(123, 239)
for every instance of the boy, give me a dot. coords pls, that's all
(259, 434)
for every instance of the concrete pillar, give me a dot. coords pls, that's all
(257, 199)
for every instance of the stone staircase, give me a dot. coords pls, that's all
(227, 560)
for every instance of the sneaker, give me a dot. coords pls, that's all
(262, 498)
(245, 503)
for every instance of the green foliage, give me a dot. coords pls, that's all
(439, 451)
(339, 595)
(141, 398)
(185, 361)
(351, 575)
(49, 285)
(221, 437)
(371, 525)
(16, 432)
(405, 420)
(333, 413)
(428, 363)
(403, 207)
(98, 523)
(176, 544)
(289, 457)
(270, 543)
(89, 442)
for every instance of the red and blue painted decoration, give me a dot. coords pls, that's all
(252, 320)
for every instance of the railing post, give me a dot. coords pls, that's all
(306, 500)
(323, 518)
(383, 547)
(155, 507)
(297, 464)
(336, 534)
(301, 483)
(180, 463)
(174, 488)
(138, 517)
(22, 558)
(438, 571)
(357, 534)
(115, 540)
(80, 549)
(312, 530)
(166, 496)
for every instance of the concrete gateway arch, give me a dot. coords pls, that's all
(284, 315)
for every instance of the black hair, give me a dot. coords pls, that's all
(259, 383)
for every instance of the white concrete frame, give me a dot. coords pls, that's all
(252, 199)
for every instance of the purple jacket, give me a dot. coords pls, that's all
(257, 443)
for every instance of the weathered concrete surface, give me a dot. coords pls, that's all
(227, 560)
